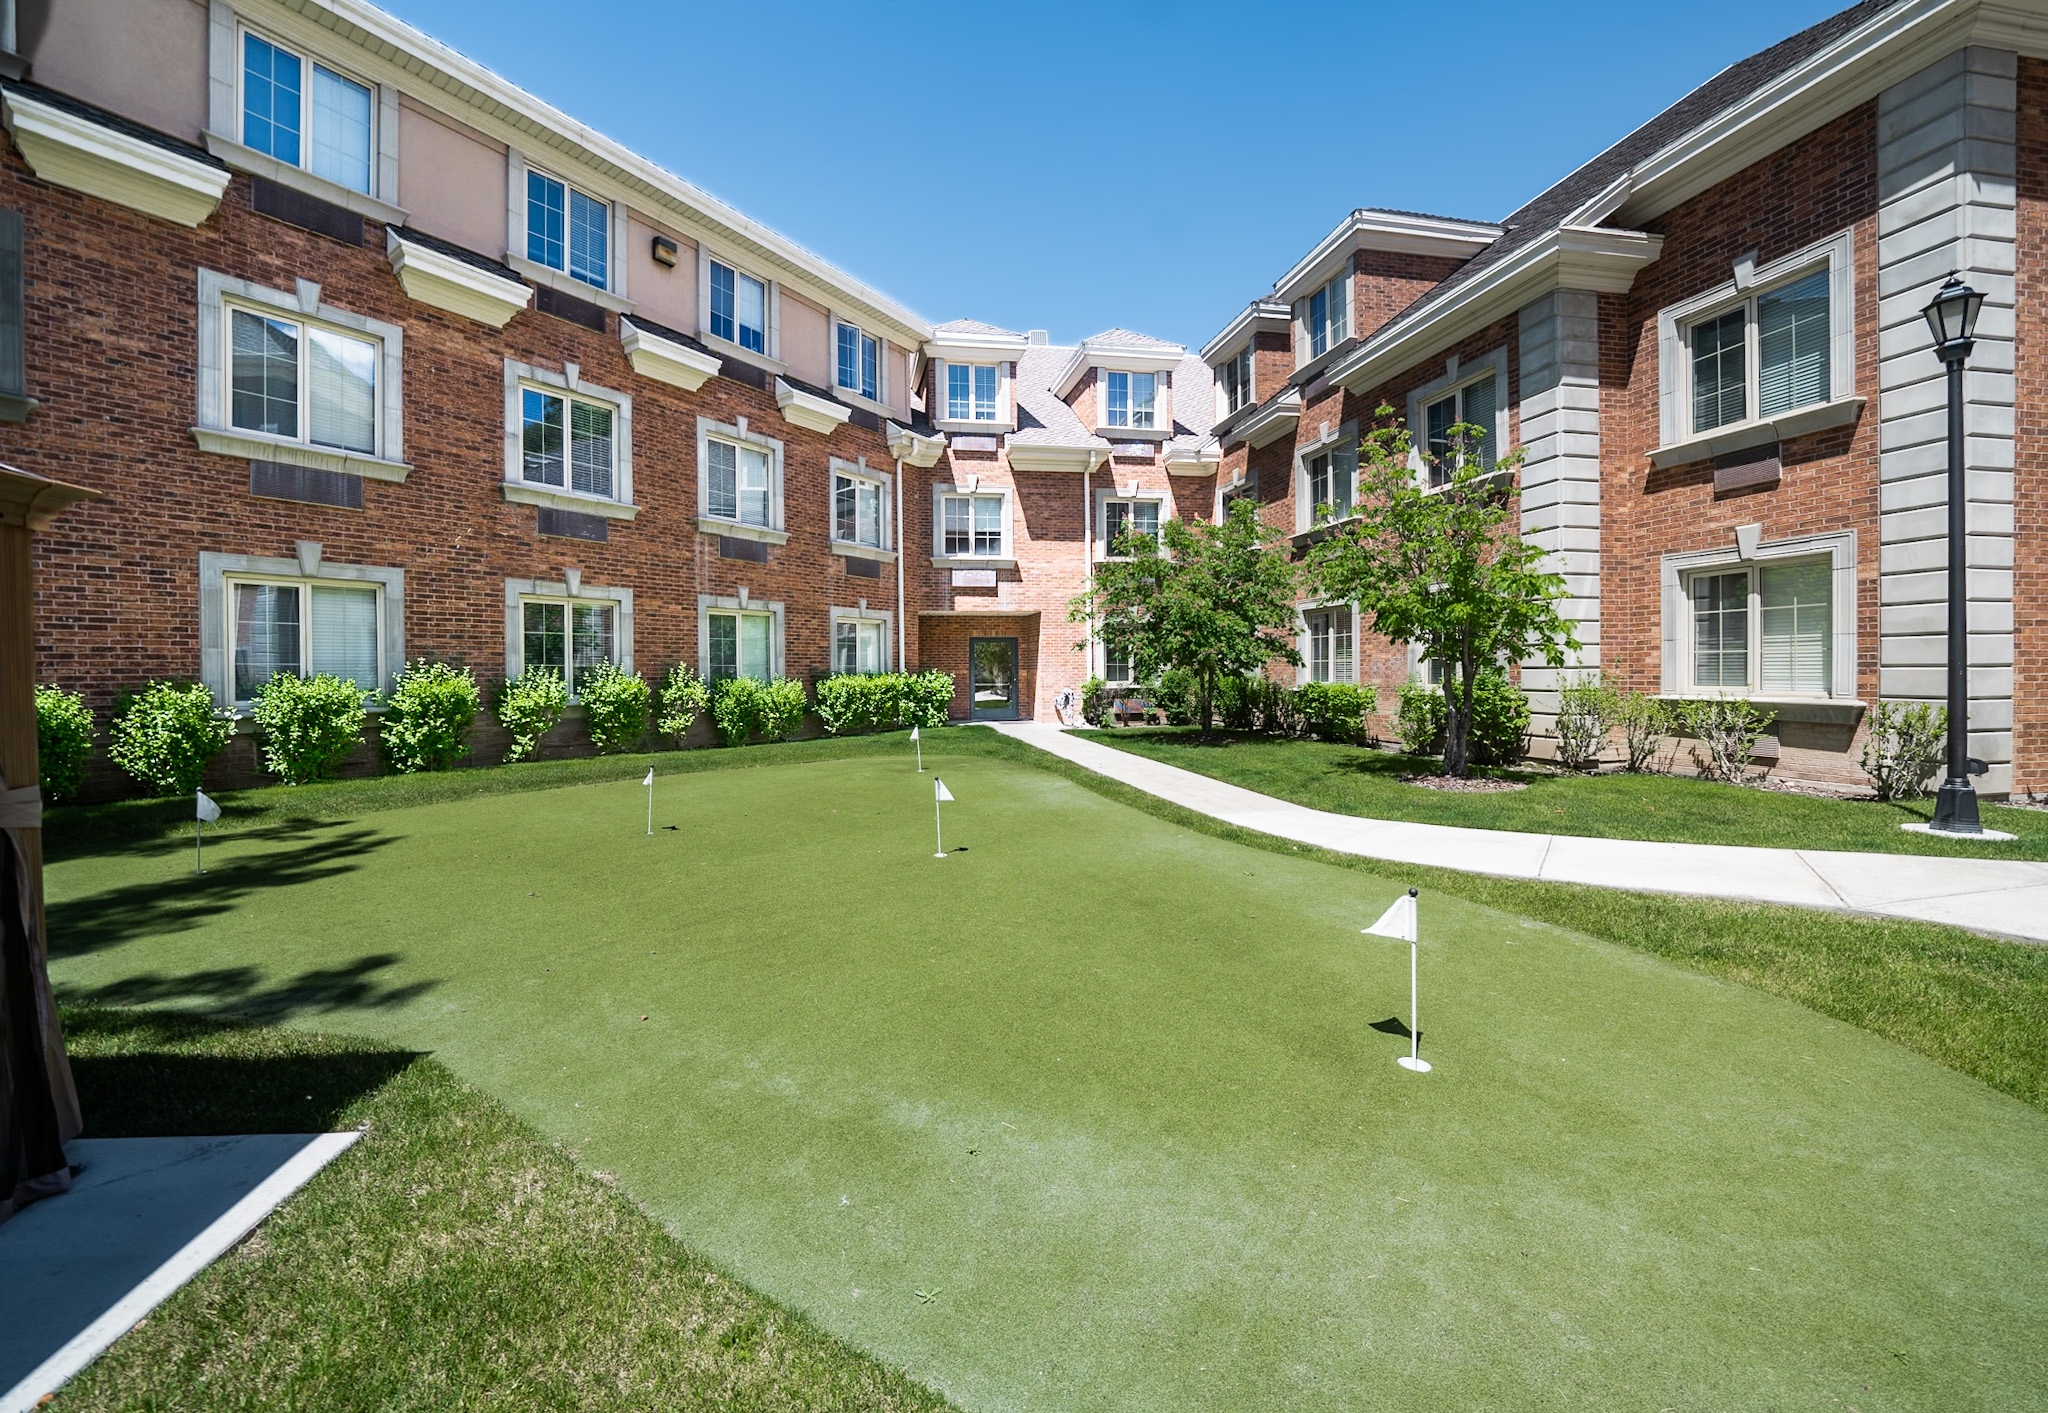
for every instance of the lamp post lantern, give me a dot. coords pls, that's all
(1952, 317)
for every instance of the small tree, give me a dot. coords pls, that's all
(1444, 568)
(1216, 600)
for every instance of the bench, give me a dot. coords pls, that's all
(1123, 709)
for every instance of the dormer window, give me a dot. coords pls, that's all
(567, 231)
(1235, 379)
(739, 308)
(1325, 317)
(971, 392)
(1129, 399)
(860, 363)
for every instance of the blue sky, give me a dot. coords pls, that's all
(1077, 167)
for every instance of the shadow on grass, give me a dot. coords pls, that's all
(120, 915)
(1394, 1025)
(240, 992)
(144, 1074)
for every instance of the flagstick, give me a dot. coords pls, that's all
(939, 825)
(1414, 1009)
(198, 847)
(650, 811)
(920, 752)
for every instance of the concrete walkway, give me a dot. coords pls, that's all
(2008, 898)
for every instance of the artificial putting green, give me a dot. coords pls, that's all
(1107, 1092)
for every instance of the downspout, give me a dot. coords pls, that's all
(1088, 567)
(902, 664)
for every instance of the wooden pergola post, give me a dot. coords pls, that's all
(38, 1105)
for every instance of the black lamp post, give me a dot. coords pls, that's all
(1952, 315)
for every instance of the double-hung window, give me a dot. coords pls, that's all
(566, 442)
(858, 511)
(1330, 475)
(569, 637)
(301, 381)
(970, 392)
(860, 363)
(566, 230)
(860, 645)
(737, 484)
(1235, 378)
(1140, 517)
(1767, 355)
(1766, 628)
(1325, 317)
(1476, 404)
(971, 525)
(739, 308)
(1116, 666)
(305, 114)
(739, 645)
(1328, 655)
(1129, 399)
(304, 629)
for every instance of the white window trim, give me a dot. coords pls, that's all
(218, 292)
(707, 604)
(520, 376)
(519, 592)
(1305, 452)
(1100, 667)
(859, 470)
(771, 359)
(880, 401)
(565, 281)
(304, 166)
(1104, 496)
(776, 532)
(1162, 405)
(940, 559)
(215, 606)
(1674, 361)
(1249, 357)
(1342, 292)
(861, 614)
(1457, 376)
(1839, 546)
(1006, 398)
(1301, 638)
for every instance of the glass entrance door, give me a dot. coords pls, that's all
(992, 678)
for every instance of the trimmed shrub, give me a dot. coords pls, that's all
(736, 709)
(1419, 720)
(684, 698)
(1582, 722)
(1644, 721)
(618, 703)
(927, 698)
(1726, 731)
(1177, 694)
(1500, 719)
(783, 707)
(167, 734)
(528, 706)
(310, 724)
(1904, 748)
(427, 721)
(63, 741)
(858, 702)
(1336, 711)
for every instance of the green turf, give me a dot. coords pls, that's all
(451, 1259)
(1672, 808)
(1107, 1091)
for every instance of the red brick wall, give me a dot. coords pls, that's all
(2030, 449)
(1386, 282)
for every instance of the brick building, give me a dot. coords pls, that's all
(375, 356)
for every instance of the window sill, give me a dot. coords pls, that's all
(739, 530)
(1742, 435)
(887, 556)
(568, 284)
(1321, 530)
(248, 159)
(258, 447)
(864, 402)
(1135, 434)
(725, 348)
(1828, 711)
(969, 561)
(520, 493)
(16, 408)
(968, 427)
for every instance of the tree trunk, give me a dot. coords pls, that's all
(1208, 695)
(1458, 714)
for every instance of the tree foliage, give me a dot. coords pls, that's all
(1443, 567)
(1214, 599)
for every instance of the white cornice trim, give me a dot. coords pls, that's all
(457, 286)
(976, 348)
(1269, 423)
(1047, 456)
(258, 164)
(78, 154)
(1202, 460)
(809, 411)
(1117, 358)
(914, 448)
(1261, 316)
(665, 360)
(1383, 230)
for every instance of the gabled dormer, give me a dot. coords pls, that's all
(972, 386)
(1120, 385)
(1252, 358)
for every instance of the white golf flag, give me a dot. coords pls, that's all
(650, 776)
(208, 810)
(913, 733)
(1397, 922)
(945, 796)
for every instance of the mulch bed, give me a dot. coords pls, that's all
(1477, 785)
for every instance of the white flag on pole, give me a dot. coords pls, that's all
(1397, 922)
(208, 810)
(650, 776)
(913, 733)
(945, 796)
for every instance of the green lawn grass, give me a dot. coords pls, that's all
(1105, 1090)
(451, 1259)
(1360, 781)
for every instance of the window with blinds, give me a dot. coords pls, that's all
(739, 308)
(323, 126)
(859, 645)
(971, 525)
(1331, 477)
(859, 362)
(1767, 630)
(737, 484)
(1768, 355)
(1328, 658)
(566, 442)
(738, 645)
(303, 382)
(1140, 517)
(1326, 317)
(305, 629)
(1720, 630)
(568, 638)
(856, 511)
(1476, 405)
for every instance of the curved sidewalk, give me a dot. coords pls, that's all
(2005, 897)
